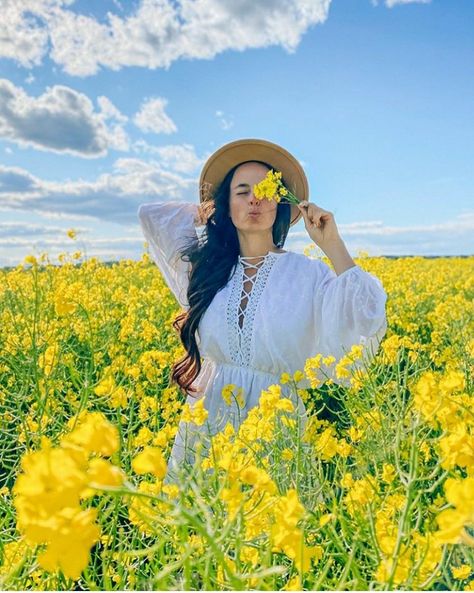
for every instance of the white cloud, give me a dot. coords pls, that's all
(377, 238)
(112, 197)
(109, 111)
(19, 239)
(463, 223)
(152, 117)
(390, 3)
(181, 158)
(12, 232)
(154, 35)
(23, 37)
(60, 120)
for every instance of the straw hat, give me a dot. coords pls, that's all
(238, 151)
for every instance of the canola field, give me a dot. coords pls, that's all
(376, 494)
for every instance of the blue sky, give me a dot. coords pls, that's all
(105, 105)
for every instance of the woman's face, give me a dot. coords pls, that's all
(242, 200)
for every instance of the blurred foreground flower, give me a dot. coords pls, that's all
(51, 486)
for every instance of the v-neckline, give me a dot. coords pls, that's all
(241, 339)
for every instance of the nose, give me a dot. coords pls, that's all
(253, 200)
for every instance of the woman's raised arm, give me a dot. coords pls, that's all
(168, 228)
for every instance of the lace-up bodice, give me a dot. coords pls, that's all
(248, 283)
(249, 277)
(251, 265)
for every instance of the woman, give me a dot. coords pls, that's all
(252, 310)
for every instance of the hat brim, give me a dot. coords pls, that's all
(231, 154)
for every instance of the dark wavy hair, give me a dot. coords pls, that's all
(212, 260)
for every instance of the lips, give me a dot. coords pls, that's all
(254, 213)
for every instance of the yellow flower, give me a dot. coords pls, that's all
(249, 554)
(294, 584)
(390, 347)
(106, 386)
(356, 352)
(461, 572)
(227, 391)
(289, 422)
(258, 478)
(457, 448)
(150, 460)
(71, 233)
(311, 370)
(325, 519)
(48, 358)
(326, 444)
(285, 404)
(360, 494)
(197, 414)
(63, 306)
(119, 398)
(460, 493)
(30, 259)
(50, 480)
(272, 188)
(298, 376)
(240, 397)
(171, 490)
(341, 368)
(200, 413)
(102, 473)
(452, 382)
(343, 448)
(68, 549)
(95, 434)
(355, 434)
(347, 481)
(388, 473)
(233, 497)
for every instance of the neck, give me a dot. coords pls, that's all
(255, 246)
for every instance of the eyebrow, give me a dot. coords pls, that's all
(242, 185)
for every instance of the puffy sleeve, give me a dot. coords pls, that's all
(168, 228)
(348, 309)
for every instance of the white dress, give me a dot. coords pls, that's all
(296, 307)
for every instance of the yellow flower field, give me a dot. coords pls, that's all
(378, 493)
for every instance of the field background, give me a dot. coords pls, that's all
(376, 494)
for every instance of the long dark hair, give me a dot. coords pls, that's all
(212, 261)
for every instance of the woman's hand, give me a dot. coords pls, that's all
(205, 210)
(320, 224)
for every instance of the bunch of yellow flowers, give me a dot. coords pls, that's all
(272, 188)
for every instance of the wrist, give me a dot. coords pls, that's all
(334, 246)
(340, 257)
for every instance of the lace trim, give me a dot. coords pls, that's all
(240, 339)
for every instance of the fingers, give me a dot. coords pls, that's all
(311, 213)
(206, 210)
